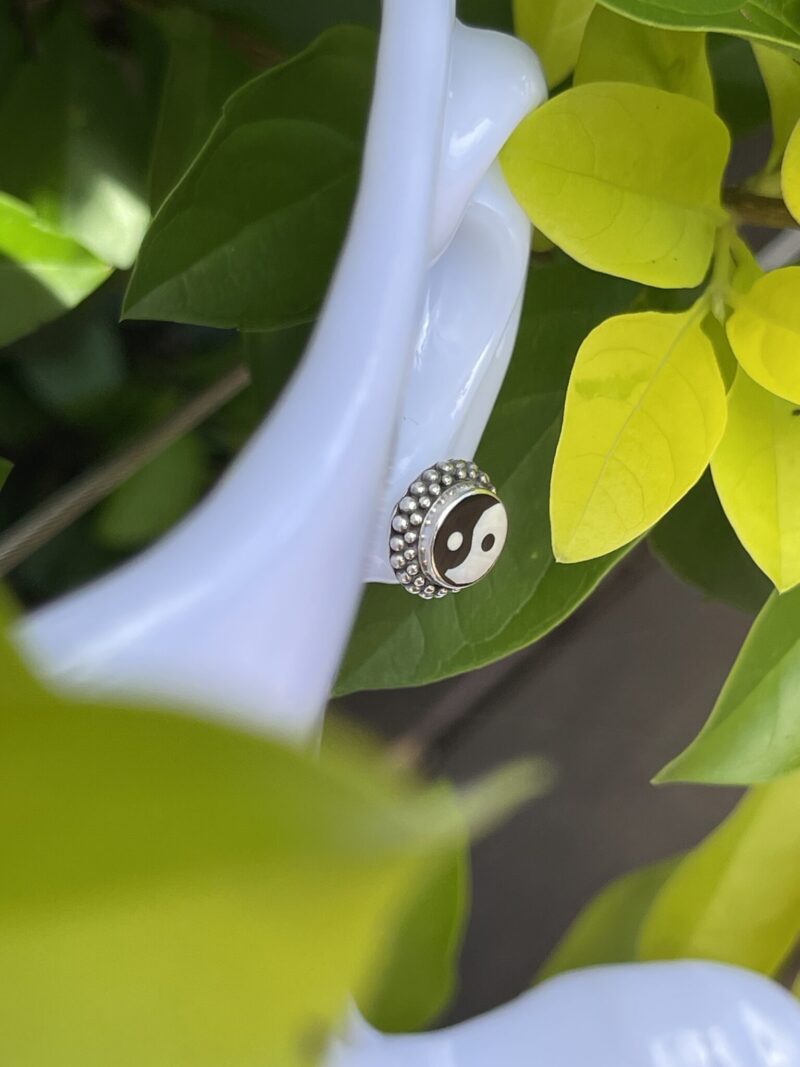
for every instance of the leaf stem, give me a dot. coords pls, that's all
(754, 210)
(76, 498)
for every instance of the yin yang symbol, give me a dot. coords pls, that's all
(470, 539)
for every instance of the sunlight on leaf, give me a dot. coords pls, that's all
(764, 332)
(618, 49)
(645, 410)
(736, 897)
(553, 28)
(753, 733)
(757, 474)
(625, 178)
(42, 272)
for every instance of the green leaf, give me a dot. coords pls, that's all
(757, 474)
(42, 273)
(759, 20)
(790, 173)
(153, 860)
(607, 929)
(736, 897)
(292, 26)
(698, 543)
(419, 976)
(624, 178)
(617, 49)
(395, 642)
(645, 410)
(553, 28)
(155, 497)
(781, 76)
(742, 101)
(250, 235)
(73, 366)
(753, 733)
(6, 467)
(202, 72)
(764, 332)
(77, 133)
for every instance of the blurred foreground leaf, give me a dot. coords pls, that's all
(176, 893)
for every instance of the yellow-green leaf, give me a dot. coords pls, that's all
(757, 474)
(781, 76)
(607, 930)
(616, 48)
(645, 410)
(625, 178)
(553, 28)
(790, 173)
(764, 332)
(175, 892)
(736, 897)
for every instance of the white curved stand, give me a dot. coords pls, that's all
(248, 604)
(679, 1014)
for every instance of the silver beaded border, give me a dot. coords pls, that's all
(411, 514)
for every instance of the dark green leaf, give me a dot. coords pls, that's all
(398, 642)
(6, 466)
(762, 20)
(42, 272)
(607, 930)
(155, 497)
(420, 972)
(697, 542)
(753, 733)
(293, 25)
(742, 99)
(250, 235)
(202, 72)
(77, 133)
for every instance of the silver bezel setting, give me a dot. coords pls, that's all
(419, 514)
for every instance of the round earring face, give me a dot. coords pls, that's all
(448, 531)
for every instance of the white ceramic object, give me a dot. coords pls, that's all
(677, 1014)
(246, 607)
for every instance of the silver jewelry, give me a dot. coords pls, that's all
(447, 531)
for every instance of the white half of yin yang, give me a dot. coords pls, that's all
(490, 530)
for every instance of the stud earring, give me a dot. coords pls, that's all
(448, 531)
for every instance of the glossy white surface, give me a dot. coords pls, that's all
(246, 607)
(678, 1014)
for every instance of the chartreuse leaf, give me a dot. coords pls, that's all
(250, 235)
(760, 20)
(78, 137)
(42, 272)
(394, 642)
(625, 178)
(781, 76)
(607, 930)
(757, 474)
(697, 542)
(616, 48)
(152, 860)
(419, 975)
(202, 72)
(736, 897)
(645, 410)
(155, 497)
(553, 28)
(764, 332)
(790, 173)
(753, 733)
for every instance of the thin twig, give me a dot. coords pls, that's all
(76, 498)
(755, 210)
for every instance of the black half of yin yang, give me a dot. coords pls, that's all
(470, 539)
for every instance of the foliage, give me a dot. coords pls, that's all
(196, 166)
